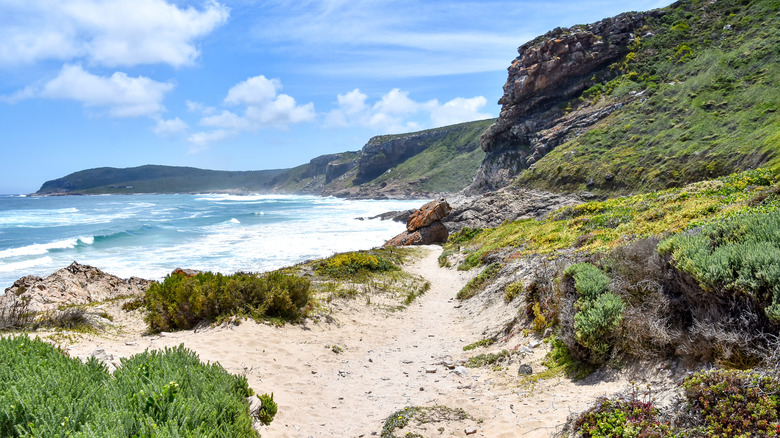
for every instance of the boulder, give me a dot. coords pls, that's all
(429, 213)
(434, 233)
(76, 284)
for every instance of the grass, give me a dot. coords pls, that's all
(711, 82)
(601, 225)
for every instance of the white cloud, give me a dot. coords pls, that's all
(201, 141)
(254, 91)
(171, 127)
(262, 108)
(396, 112)
(105, 32)
(119, 94)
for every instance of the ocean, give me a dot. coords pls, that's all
(148, 236)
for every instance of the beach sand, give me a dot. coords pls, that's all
(389, 360)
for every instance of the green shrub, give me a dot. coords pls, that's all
(596, 321)
(488, 359)
(479, 282)
(352, 264)
(268, 409)
(739, 255)
(169, 393)
(181, 302)
(619, 418)
(589, 280)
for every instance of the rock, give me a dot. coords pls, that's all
(109, 360)
(428, 214)
(471, 431)
(549, 71)
(461, 371)
(434, 233)
(525, 370)
(185, 272)
(508, 204)
(430, 370)
(76, 284)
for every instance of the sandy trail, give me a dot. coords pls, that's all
(385, 365)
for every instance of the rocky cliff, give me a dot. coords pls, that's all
(551, 70)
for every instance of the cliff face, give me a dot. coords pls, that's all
(551, 70)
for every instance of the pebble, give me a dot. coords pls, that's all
(430, 370)
(470, 431)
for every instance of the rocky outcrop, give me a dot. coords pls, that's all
(424, 226)
(508, 204)
(383, 153)
(76, 284)
(551, 70)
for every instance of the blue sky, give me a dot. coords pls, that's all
(248, 84)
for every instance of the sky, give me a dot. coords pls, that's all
(249, 84)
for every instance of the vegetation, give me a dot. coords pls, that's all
(705, 90)
(167, 393)
(479, 282)
(352, 264)
(181, 302)
(420, 415)
(715, 403)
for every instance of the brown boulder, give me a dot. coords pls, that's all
(433, 233)
(76, 284)
(429, 213)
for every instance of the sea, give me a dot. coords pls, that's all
(149, 236)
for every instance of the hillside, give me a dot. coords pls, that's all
(641, 101)
(397, 166)
(157, 179)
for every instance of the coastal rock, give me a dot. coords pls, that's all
(549, 71)
(508, 204)
(76, 284)
(429, 213)
(434, 233)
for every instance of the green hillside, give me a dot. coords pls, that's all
(702, 90)
(157, 179)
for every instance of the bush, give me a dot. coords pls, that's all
(512, 290)
(169, 393)
(733, 403)
(738, 255)
(181, 302)
(353, 264)
(619, 418)
(589, 280)
(595, 322)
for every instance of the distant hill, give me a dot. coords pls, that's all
(416, 164)
(157, 179)
(641, 101)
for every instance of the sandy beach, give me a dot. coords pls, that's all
(382, 362)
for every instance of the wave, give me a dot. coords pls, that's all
(27, 264)
(44, 248)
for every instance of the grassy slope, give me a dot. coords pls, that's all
(448, 164)
(711, 82)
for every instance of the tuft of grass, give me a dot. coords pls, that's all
(479, 282)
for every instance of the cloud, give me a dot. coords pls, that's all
(396, 112)
(109, 33)
(119, 94)
(201, 141)
(171, 127)
(260, 106)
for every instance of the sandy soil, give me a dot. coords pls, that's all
(390, 360)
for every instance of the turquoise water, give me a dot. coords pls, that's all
(150, 235)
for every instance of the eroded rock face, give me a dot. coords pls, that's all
(380, 154)
(508, 204)
(424, 226)
(433, 233)
(549, 71)
(76, 284)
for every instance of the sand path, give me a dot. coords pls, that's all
(386, 364)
